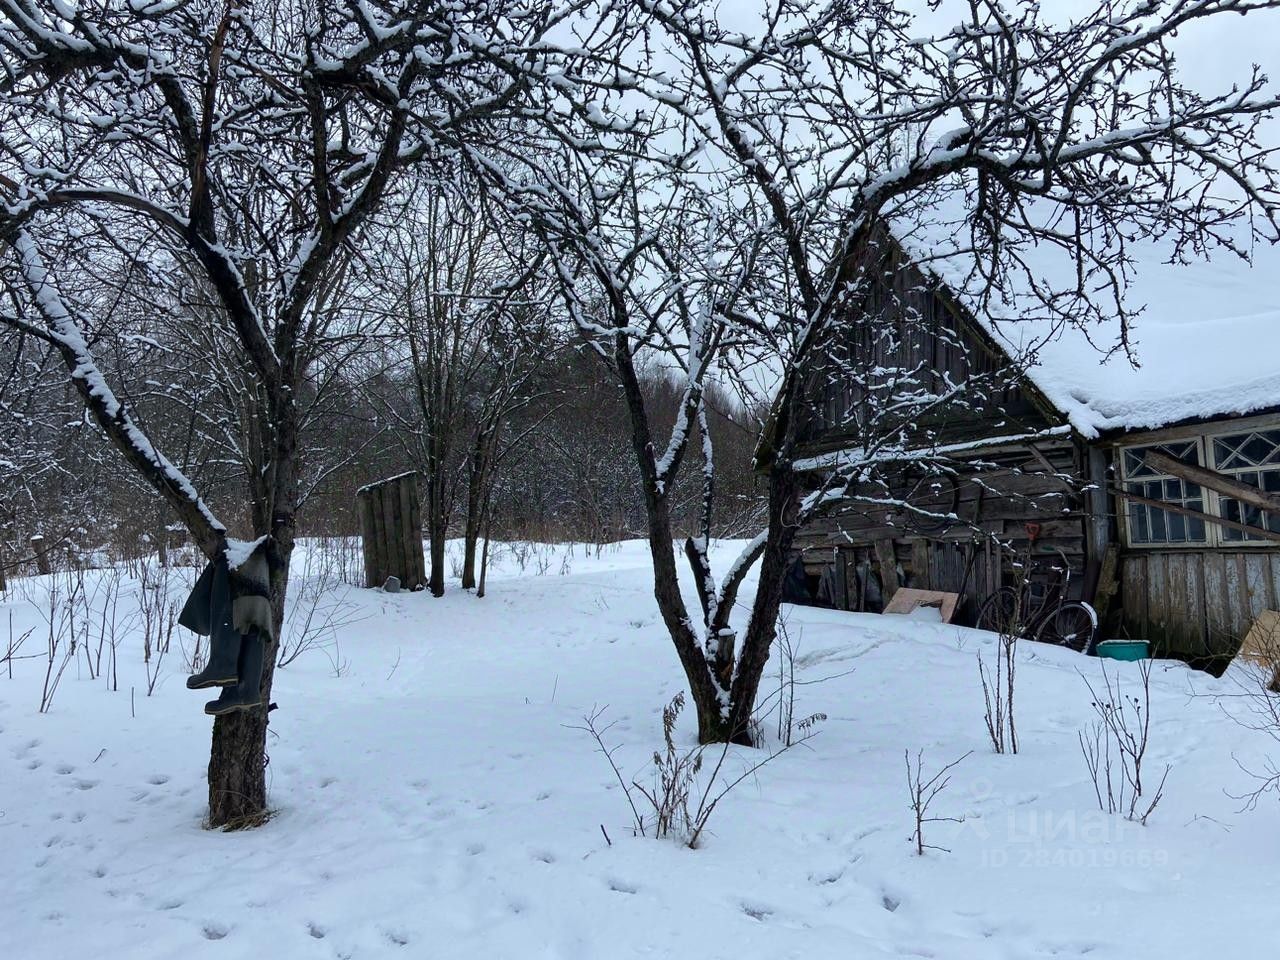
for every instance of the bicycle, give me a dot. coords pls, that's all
(1039, 610)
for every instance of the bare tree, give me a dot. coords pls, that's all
(469, 307)
(711, 201)
(250, 148)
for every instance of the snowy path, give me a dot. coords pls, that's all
(433, 802)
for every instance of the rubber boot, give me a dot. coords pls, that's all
(225, 653)
(247, 691)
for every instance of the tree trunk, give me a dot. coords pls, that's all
(478, 483)
(784, 509)
(437, 531)
(238, 754)
(475, 498)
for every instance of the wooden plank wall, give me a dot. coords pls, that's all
(391, 521)
(1000, 500)
(1193, 603)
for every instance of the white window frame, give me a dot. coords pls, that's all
(1205, 498)
(1215, 534)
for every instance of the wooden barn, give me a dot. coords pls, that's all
(1152, 492)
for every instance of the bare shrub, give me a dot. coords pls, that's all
(13, 645)
(998, 680)
(679, 799)
(158, 614)
(923, 792)
(57, 612)
(315, 612)
(1256, 706)
(782, 700)
(1114, 747)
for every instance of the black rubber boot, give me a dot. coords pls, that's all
(225, 653)
(208, 613)
(247, 691)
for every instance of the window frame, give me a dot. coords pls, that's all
(1215, 534)
(1206, 494)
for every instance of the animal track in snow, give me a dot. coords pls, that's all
(156, 779)
(315, 931)
(214, 931)
(86, 784)
(621, 886)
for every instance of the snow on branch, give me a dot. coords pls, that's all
(108, 412)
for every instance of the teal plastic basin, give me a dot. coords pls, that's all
(1124, 649)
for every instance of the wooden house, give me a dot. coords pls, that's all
(1158, 485)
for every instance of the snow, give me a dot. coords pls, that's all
(432, 799)
(238, 552)
(1203, 342)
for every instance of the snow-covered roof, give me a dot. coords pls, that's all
(1205, 340)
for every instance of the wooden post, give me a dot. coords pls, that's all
(41, 551)
(391, 530)
(888, 569)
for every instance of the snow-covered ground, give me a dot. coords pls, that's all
(433, 800)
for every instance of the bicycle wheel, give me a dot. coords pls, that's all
(935, 497)
(999, 612)
(1072, 625)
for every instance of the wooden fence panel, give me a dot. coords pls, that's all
(1197, 603)
(391, 522)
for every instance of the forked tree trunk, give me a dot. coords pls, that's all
(784, 508)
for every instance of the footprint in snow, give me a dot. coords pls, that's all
(156, 779)
(170, 904)
(544, 856)
(34, 765)
(621, 886)
(822, 879)
(65, 768)
(86, 784)
(214, 931)
(890, 902)
(396, 937)
(316, 932)
(757, 912)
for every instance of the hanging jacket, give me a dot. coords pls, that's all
(236, 600)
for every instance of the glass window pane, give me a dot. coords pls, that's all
(1222, 452)
(1177, 527)
(1159, 534)
(1138, 528)
(1195, 529)
(1256, 449)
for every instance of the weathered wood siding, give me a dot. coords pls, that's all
(1011, 490)
(1197, 603)
(904, 321)
(391, 522)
